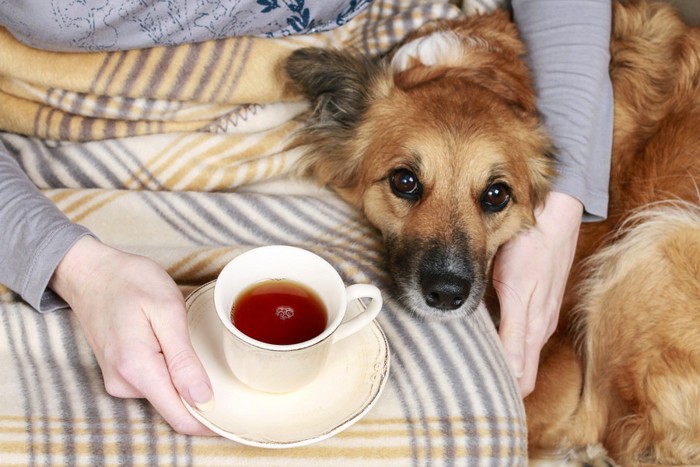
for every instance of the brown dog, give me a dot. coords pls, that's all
(446, 156)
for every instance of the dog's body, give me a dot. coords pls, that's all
(442, 148)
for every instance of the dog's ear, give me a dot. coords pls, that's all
(542, 171)
(340, 85)
(337, 83)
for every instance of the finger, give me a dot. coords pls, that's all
(140, 372)
(513, 331)
(185, 369)
(155, 384)
(539, 331)
(527, 381)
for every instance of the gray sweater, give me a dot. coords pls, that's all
(569, 52)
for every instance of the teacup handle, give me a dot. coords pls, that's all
(353, 325)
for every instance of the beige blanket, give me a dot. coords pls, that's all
(177, 153)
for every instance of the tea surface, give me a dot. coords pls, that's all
(280, 312)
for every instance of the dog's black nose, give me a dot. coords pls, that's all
(445, 291)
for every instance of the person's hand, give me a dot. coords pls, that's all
(529, 276)
(134, 318)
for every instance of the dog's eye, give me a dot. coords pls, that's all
(405, 184)
(495, 198)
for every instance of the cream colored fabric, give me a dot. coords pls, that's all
(178, 154)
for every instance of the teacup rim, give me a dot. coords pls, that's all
(330, 328)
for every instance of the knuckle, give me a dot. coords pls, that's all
(552, 305)
(131, 368)
(514, 330)
(117, 388)
(181, 362)
(171, 300)
(127, 368)
(509, 294)
(182, 359)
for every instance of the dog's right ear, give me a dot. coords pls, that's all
(340, 85)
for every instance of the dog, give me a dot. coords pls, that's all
(440, 144)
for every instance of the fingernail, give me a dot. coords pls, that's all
(202, 396)
(516, 364)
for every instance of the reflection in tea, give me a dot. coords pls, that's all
(280, 312)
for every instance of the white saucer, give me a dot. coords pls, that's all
(347, 388)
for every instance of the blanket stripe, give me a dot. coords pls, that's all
(104, 95)
(450, 396)
(201, 175)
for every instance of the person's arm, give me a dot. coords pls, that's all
(569, 55)
(568, 45)
(35, 235)
(132, 312)
(81, 26)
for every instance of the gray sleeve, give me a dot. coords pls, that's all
(35, 235)
(569, 53)
(70, 25)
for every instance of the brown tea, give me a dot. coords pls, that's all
(279, 311)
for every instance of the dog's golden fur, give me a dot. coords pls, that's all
(448, 160)
(450, 128)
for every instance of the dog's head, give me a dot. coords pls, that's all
(439, 144)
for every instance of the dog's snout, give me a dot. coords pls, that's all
(445, 291)
(440, 277)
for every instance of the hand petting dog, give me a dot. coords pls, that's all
(530, 302)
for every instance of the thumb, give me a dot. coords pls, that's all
(186, 370)
(189, 378)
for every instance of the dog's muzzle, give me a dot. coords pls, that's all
(436, 278)
(446, 278)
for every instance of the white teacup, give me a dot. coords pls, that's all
(283, 368)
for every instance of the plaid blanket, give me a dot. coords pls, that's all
(181, 154)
